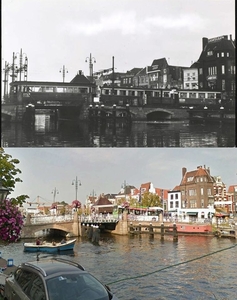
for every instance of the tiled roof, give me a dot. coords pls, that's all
(146, 186)
(196, 173)
(102, 201)
(231, 188)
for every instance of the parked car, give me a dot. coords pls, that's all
(54, 279)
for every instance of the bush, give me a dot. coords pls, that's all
(11, 221)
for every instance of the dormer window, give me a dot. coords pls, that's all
(209, 53)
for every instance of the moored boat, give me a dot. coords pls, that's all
(192, 228)
(49, 247)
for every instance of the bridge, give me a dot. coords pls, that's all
(70, 224)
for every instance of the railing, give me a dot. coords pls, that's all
(50, 219)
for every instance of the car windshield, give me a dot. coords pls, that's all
(76, 287)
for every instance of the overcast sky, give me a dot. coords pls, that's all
(105, 170)
(53, 33)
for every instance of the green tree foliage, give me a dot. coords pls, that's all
(149, 199)
(9, 175)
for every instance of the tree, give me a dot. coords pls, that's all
(149, 199)
(11, 219)
(9, 175)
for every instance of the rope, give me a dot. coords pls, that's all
(171, 266)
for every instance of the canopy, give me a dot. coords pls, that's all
(192, 213)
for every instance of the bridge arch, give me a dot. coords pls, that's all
(158, 114)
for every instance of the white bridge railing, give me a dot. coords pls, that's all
(50, 219)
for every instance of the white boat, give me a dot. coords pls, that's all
(49, 247)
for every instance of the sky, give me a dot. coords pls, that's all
(106, 170)
(57, 33)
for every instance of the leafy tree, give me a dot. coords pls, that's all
(9, 175)
(149, 199)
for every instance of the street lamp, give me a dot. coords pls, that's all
(91, 61)
(54, 192)
(3, 191)
(76, 182)
(64, 71)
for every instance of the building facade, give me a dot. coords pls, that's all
(216, 65)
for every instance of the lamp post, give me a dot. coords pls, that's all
(234, 202)
(123, 186)
(76, 182)
(91, 61)
(3, 191)
(54, 192)
(63, 71)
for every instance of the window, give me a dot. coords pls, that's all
(223, 84)
(171, 204)
(192, 95)
(172, 196)
(187, 84)
(200, 71)
(192, 192)
(210, 96)
(202, 203)
(209, 53)
(222, 54)
(218, 54)
(193, 203)
(176, 204)
(176, 196)
(202, 96)
(223, 69)
(201, 191)
(232, 69)
(227, 54)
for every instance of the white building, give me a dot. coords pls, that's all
(190, 78)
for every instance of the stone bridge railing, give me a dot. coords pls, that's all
(49, 219)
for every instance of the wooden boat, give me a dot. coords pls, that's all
(49, 247)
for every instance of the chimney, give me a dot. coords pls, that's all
(208, 170)
(231, 37)
(204, 42)
(184, 170)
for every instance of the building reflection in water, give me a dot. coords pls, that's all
(48, 132)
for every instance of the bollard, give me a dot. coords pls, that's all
(175, 233)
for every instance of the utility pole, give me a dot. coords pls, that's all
(63, 71)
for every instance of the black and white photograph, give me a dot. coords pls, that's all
(118, 158)
(89, 73)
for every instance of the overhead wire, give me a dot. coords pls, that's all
(171, 266)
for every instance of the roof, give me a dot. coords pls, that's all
(102, 201)
(231, 188)
(161, 62)
(216, 44)
(81, 79)
(196, 173)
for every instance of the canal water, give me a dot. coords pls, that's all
(140, 267)
(50, 133)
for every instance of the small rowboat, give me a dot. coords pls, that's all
(49, 247)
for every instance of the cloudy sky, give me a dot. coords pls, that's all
(105, 170)
(53, 33)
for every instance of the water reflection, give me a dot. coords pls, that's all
(48, 132)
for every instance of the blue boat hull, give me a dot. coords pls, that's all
(31, 247)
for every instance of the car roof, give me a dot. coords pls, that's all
(53, 266)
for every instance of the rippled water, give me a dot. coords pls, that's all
(46, 133)
(130, 265)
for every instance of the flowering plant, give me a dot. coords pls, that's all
(76, 204)
(11, 221)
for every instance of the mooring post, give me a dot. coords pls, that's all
(175, 233)
(162, 231)
(139, 228)
(151, 229)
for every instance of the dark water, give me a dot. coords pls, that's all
(48, 133)
(131, 259)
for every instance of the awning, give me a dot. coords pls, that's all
(192, 213)
(222, 214)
